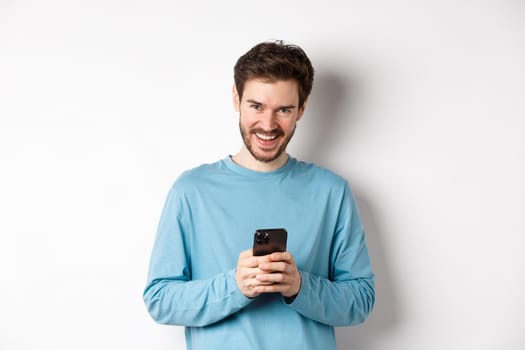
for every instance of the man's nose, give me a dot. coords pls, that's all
(268, 120)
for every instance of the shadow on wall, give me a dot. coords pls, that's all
(332, 106)
(386, 313)
(324, 109)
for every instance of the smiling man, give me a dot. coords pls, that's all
(203, 272)
(269, 112)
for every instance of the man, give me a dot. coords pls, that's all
(203, 273)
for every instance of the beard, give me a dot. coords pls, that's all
(266, 158)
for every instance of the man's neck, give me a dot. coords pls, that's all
(245, 159)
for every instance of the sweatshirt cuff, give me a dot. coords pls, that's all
(239, 299)
(300, 297)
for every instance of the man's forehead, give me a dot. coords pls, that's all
(266, 91)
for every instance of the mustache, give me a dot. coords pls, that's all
(276, 131)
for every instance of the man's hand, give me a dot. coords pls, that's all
(247, 271)
(279, 274)
(273, 273)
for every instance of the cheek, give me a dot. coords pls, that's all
(288, 124)
(248, 117)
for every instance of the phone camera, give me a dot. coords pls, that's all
(262, 238)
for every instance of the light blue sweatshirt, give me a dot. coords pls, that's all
(210, 216)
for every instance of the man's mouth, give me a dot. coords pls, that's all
(266, 137)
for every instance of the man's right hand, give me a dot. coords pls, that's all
(246, 272)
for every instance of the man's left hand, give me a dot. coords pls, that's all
(282, 272)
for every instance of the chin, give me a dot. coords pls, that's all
(266, 157)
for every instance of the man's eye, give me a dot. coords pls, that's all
(285, 110)
(256, 107)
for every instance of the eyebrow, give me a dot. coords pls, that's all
(262, 104)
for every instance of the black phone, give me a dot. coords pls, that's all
(267, 241)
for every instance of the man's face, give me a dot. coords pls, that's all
(268, 115)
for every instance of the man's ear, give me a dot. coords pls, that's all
(301, 110)
(236, 101)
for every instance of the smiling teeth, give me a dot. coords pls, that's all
(266, 137)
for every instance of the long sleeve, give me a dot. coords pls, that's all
(171, 296)
(209, 218)
(347, 296)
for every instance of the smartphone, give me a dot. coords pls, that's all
(267, 241)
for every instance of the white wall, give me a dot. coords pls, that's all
(418, 103)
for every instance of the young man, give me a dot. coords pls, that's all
(203, 273)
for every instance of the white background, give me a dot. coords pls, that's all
(419, 104)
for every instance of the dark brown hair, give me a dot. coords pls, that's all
(275, 61)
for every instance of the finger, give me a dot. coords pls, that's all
(251, 285)
(253, 261)
(257, 283)
(273, 266)
(264, 258)
(286, 287)
(248, 260)
(269, 278)
(284, 256)
(249, 273)
(271, 288)
(246, 254)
